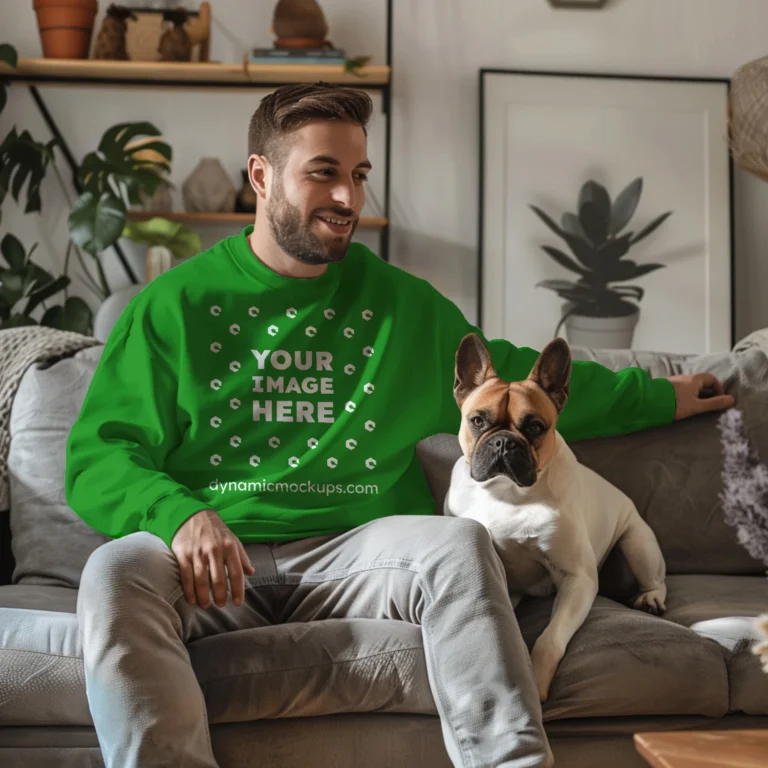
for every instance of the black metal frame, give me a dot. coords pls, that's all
(385, 88)
(655, 78)
(387, 109)
(590, 5)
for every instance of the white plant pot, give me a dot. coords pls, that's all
(602, 332)
(159, 260)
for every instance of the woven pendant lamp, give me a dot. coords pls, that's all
(749, 117)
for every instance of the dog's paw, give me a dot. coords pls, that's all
(545, 659)
(652, 601)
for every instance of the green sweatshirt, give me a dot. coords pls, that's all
(292, 406)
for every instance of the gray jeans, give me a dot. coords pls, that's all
(440, 573)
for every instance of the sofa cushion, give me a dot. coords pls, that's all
(624, 662)
(437, 455)
(38, 598)
(50, 543)
(723, 609)
(41, 664)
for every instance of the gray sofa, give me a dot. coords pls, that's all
(354, 693)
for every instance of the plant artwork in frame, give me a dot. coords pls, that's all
(605, 212)
(596, 237)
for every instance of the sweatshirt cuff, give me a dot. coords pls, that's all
(170, 512)
(662, 401)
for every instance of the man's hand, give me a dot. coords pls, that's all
(688, 389)
(204, 544)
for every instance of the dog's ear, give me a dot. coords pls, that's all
(473, 367)
(552, 372)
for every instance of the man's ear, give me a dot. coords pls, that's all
(259, 173)
(552, 371)
(473, 367)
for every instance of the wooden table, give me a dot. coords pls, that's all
(704, 749)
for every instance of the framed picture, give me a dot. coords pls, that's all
(606, 211)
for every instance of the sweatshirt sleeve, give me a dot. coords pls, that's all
(602, 402)
(127, 425)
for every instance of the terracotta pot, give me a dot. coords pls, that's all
(65, 27)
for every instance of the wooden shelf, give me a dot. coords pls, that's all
(159, 74)
(223, 219)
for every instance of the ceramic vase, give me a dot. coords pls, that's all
(209, 189)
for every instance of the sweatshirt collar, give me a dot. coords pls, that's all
(252, 266)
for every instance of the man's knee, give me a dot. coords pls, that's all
(465, 534)
(139, 559)
(461, 539)
(462, 561)
(470, 532)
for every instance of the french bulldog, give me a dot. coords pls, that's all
(553, 521)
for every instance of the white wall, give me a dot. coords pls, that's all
(439, 46)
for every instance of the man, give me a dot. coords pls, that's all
(253, 422)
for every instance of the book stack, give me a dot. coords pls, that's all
(328, 56)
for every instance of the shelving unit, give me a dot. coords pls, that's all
(149, 74)
(192, 218)
(36, 73)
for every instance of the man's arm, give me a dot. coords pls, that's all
(116, 451)
(601, 403)
(117, 447)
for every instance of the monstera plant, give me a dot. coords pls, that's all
(24, 285)
(596, 236)
(129, 162)
(131, 159)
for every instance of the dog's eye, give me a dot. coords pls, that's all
(535, 429)
(477, 421)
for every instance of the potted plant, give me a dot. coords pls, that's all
(66, 27)
(24, 285)
(129, 163)
(167, 242)
(597, 312)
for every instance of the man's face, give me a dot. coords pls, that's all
(314, 204)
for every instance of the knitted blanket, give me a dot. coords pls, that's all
(20, 348)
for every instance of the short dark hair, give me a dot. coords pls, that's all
(286, 108)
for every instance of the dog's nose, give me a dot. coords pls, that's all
(502, 443)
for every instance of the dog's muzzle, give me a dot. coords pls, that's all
(504, 453)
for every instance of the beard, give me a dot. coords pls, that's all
(295, 236)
